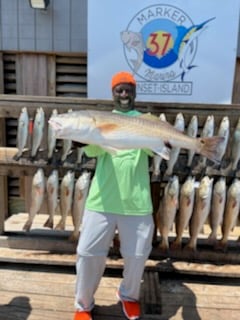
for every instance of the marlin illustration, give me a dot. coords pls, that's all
(185, 45)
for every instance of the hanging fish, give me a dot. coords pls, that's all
(231, 212)
(80, 195)
(208, 130)
(223, 131)
(22, 131)
(167, 211)
(200, 212)
(217, 208)
(186, 203)
(80, 153)
(67, 146)
(235, 150)
(38, 130)
(66, 198)
(174, 153)
(51, 138)
(192, 131)
(157, 159)
(52, 197)
(37, 197)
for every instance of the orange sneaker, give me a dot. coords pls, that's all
(82, 315)
(131, 309)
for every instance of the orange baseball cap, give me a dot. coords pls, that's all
(123, 77)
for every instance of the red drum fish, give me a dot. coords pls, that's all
(113, 132)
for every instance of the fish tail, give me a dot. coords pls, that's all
(209, 147)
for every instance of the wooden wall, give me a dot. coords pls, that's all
(63, 75)
(60, 28)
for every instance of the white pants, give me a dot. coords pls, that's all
(98, 230)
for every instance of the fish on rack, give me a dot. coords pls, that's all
(79, 199)
(223, 131)
(186, 203)
(115, 132)
(235, 147)
(179, 124)
(80, 154)
(208, 130)
(217, 208)
(192, 131)
(167, 211)
(231, 213)
(52, 188)
(38, 131)
(22, 132)
(51, 138)
(200, 211)
(157, 159)
(66, 198)
(37, 197)
(67, 146)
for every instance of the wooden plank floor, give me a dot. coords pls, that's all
(37, 279)
(35, 292)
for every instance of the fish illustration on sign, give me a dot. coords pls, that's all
(186, 50)
(161, 43)
(134, 41)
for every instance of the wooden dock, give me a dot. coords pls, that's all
(37, 280)
(37, 292)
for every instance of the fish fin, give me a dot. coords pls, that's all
(164, 152)
(149, 116)
(210, 146)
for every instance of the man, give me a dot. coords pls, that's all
(119, 198)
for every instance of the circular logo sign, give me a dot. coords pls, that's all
(160, 43)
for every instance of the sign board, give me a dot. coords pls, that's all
(178, 51)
